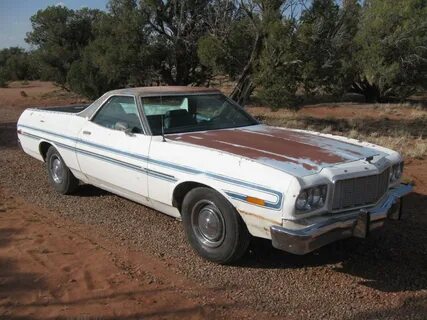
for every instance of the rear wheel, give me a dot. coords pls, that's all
(213, 226)
(60, 176)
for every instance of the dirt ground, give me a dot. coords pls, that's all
(95, 255)
(50, 267)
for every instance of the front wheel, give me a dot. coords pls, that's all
(60, 176)
(213, 226)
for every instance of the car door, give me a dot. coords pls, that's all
(112, 149)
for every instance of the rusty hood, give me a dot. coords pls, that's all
(299, 153)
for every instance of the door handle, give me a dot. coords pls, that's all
(87, 133)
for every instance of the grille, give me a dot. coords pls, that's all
(359, 192)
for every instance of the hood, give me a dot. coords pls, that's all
(296, 152)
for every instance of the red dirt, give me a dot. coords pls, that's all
(18, 97)
(49, 268)
(53, 267)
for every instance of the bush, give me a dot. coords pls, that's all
(278, 68)
(392, 56)
(3, 79)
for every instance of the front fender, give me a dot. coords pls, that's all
(257, 218)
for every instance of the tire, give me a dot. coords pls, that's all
(60, 176)
(213, 227)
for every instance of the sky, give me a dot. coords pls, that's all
(15, 17)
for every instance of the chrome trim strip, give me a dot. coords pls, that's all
(276, 205)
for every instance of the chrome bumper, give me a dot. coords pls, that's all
(301, 237)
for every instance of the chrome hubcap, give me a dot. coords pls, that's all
(208, 223)
(57, 169)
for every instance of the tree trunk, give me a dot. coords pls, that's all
(370, 90)
(244, 85)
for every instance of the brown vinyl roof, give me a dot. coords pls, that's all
(160, 90)
(143, 92)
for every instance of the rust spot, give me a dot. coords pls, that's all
(258, 217)
(279, 145)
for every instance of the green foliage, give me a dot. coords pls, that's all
(174, 28)
(377, 49)
(114, 57)
(3, 78)
(60, 34)
(227, 52)
(393, 56)
(325, 36)
(17, 64)
(140, 44)
(278, 68)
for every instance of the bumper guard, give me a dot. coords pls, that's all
(303, 237)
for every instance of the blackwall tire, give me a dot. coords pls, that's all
(60, 176)
(213, 227)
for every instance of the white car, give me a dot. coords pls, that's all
(195, 155)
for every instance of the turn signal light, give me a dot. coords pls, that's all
(254, 200)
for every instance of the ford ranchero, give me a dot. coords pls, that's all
(195, 155)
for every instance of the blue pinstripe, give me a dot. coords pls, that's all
(277, 205)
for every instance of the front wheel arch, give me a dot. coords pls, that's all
(43, 148)
(182, 189)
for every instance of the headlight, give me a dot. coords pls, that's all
(396, 172)
(311, 198)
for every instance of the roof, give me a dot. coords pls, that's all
(145, 91)
(161, 90)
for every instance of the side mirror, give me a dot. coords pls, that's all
(129, 132)
(121, 126)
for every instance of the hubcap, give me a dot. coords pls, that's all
(208, 223)
(57, 169)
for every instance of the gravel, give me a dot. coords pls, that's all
(383, 277)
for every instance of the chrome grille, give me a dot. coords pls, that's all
(359, 192)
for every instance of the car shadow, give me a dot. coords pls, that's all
(414, 308)
(15, 282)
(391, 259)
(8, 135)
(87, 190)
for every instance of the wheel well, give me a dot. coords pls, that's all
(181, 191)
(43, 147)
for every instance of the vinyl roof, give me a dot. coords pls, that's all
(142, 91)
(146, 92)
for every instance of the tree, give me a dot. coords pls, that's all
(17, 64)
(59, 35)
(256, 17)
(392, 58)
(224, 49)
(326, 46)
(278, 70)
(116, 56)
(175, 28)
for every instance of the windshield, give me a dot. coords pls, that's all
(193, 113)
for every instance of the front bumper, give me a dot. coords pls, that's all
(301, 237)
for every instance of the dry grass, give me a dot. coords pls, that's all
(62, 94)
(401, 127)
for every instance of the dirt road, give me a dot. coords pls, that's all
(49, 267)
(96, 255)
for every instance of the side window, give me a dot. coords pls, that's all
(119, 113)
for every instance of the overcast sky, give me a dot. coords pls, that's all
(15, 17)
